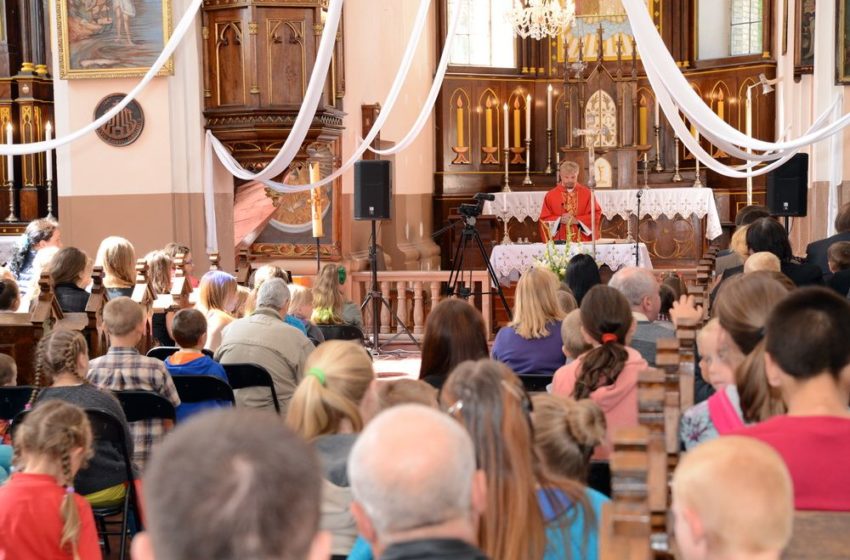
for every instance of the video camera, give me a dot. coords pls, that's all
(474, 210)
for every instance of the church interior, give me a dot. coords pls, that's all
(408, 153)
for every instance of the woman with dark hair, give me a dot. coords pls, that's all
(532, 512)
(454, 333)
(38, 235)
(70, 270)
(582, 275)
(608, 373)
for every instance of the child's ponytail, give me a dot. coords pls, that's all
(68, 508)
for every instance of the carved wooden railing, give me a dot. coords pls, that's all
(413, 293)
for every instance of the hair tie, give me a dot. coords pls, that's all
(609, 337)
(69, 489)
(761, 332)
(318, 374)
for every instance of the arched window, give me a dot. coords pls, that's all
(484, 36)
(746, 29)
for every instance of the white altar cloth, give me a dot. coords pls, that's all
(621, 202)
(510, 261)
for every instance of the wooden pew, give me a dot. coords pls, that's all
(215, 259)
(90, 322)
(686, 334)
(144, 295)
(243, 267)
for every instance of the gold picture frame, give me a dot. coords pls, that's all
(119, 39)
(842, 40)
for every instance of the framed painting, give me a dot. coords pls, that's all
(804, 37)
(112, 38)
(842, 47)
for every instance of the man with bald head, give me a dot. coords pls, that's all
(417, 493)
(641, 288)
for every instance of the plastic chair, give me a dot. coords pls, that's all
(145, 405)
(200, 388)
(162, 352)
(242, 376)
(13, 400)
(341, 332)
(106, 427)
(535, 383)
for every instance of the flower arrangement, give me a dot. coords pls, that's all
(555, 258)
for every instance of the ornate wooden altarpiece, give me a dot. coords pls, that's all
(597, 79)
(258, 56)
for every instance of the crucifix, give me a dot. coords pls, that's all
(588, 133)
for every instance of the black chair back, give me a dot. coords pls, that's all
(341, 332)
(200, 388)
(242, 376)
(535, 383)
(13, 400)
(162, 352)
(145, 405)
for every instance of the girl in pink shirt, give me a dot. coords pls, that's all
(608, 372)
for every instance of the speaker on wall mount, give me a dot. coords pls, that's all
(788, 187)
(372, 190)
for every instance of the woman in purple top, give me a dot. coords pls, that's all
(531, 343)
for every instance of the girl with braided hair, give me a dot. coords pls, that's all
(38, 235)
(608, 372)
(62, 361)
(51, 445)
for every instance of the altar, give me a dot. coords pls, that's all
(510, 261)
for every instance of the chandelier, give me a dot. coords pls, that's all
(541, 18)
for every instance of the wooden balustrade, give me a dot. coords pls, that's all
(413, 293)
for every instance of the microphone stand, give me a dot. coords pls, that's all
(639, 196)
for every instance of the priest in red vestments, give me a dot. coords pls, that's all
(569, 202)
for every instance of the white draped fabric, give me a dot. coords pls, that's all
(620, 202)
(510, 261)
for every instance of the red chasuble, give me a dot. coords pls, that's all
(577, 203)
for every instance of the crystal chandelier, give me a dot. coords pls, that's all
(541, 18)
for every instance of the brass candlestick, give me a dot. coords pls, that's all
(507, 187)
(697, 181)
(11, 217)
(659, 164)
(527, 180)
(548, 151)
(676, 176)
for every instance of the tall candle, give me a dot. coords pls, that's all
(549, 107)
(528, 117)
(517, 129)
(460, 122)
(489, 126)
(10, 161)
(507, 131)
(48, 135)
(657, 114)
(316, 200)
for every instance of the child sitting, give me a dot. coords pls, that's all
(806, 353)
(721, 412)
(190, 332)
(762, 261)
(40, 514)
(838, 257)
(123, 368)
(10, 296)
(574, 343)
(301, 307)
(732, 498)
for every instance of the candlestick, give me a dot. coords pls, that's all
(549, 151)
(549, 91)
(50, 198)
(11, 217)
(10, 161)
(676, 176)
(528, 117)
(645, 170)
(697, 181)
(659, 164)
(507, 128)
(507, 187)
(527, 180)
(48, 135)
(316, 201)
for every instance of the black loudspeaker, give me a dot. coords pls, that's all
(788, 187)
(372, 190)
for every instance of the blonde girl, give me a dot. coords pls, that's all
(329, 305)
(118, 258)
(51, 445)
(216, 298)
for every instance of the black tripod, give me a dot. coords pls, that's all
(376, 298)
(455, 286)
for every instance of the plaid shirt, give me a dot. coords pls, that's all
(125, 369)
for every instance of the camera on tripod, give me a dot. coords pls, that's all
(474, 210)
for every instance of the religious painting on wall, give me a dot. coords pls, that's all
(842, 50)
(804, 40)
(590, 15)
(112, 38)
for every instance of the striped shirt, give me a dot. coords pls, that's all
(123, 369)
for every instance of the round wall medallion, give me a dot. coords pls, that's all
(124, 128)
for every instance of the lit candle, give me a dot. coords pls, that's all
(48, 135)
(528, 117)
(489, 127)
(10, 161)
(517, 129)
(316, 200)
(657, 114)
(460, 122)
(549, 107)
(507, 131)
